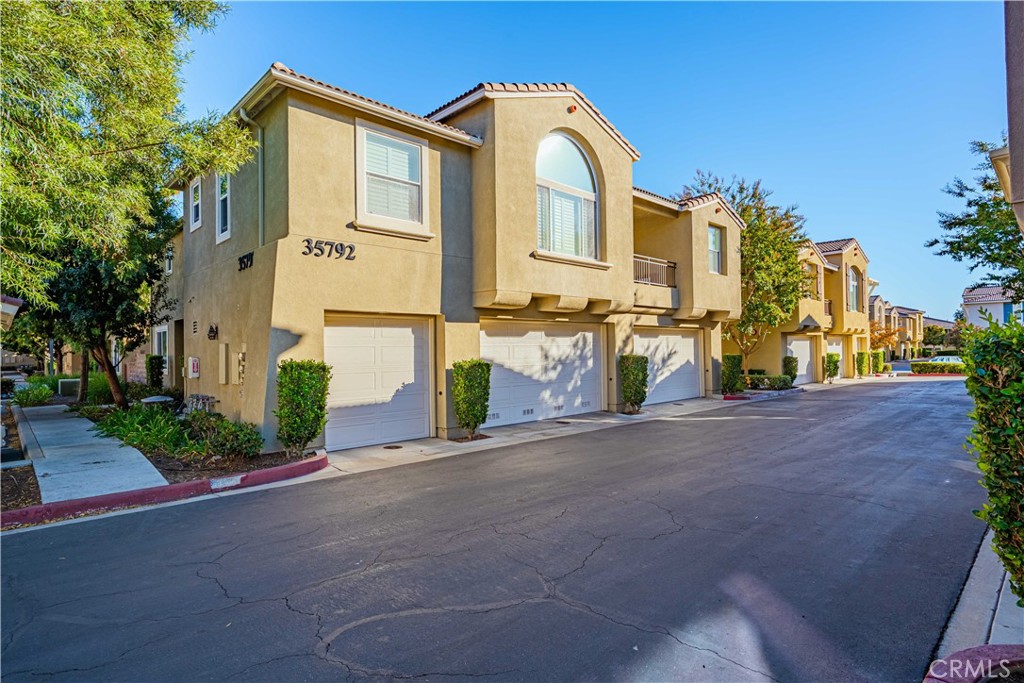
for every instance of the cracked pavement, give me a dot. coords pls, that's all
(820, 537)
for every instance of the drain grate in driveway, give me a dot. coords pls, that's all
(392, 447)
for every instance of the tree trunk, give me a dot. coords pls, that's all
(102, 356)
(59, 345)
(83, 378)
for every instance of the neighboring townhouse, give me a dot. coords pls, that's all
(910, 322)
(980, 302)
(847, 289)
(1008, 161)
(503, 226)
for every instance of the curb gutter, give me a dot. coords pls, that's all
(762, 397)
(47, 512)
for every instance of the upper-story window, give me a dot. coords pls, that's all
(169, 260)
(223, 207)
(566, 199)
(195, 204)
(853, 303)
(392, 188)
(715, 249)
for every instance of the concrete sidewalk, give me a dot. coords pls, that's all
(71, 461)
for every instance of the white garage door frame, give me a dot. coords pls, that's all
(698, 333)
(801, 338)
(332, 319)
(600, 364)
(838, 346)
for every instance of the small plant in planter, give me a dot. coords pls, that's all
(471, 393)
(732, 373)
(634, 372)
(301, 402)
(831, 366)
(862, 363)
(877, 361)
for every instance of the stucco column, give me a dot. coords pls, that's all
(452, 342)
(712, 361)
(618, 341)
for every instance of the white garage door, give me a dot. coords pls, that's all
(673, 363)
(836, 346)
(379, 386)
(541, 370)
(800, 348)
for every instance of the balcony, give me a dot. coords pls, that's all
(828, 307)
(648, 270)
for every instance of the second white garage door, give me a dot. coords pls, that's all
(800, 347)
(673, 363)
(379, 385)
(541, 370)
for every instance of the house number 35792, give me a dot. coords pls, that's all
(328, 249)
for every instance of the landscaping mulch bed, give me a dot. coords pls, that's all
(19, 488)
(467, 439)
(11, 438)
(176, 470)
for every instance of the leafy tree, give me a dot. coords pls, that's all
(934, 335)
(771, 278)
(985, 234)
(954, 338)
(99, 297)
(90, 123)
(883, 337)
(959, 315)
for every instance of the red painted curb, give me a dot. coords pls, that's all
(735, 397)
(47, 512)
(936, 374)
(976, 664)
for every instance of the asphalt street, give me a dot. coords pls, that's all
(824, 536)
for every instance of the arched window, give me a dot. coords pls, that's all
(566, 199)
(854, 303)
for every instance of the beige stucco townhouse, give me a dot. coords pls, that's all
(502, 226)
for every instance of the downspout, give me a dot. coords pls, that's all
(259, 163)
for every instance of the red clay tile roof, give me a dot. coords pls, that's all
(280, 68)
(988, 294)
(834, 246)
(449, 108)
(692, 203)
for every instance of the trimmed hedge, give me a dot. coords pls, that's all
(155, 371)
(862, 363)
(732, 373)
(877, 361)
(770, 382)
(995, 380)
(301, 402)
(790, 367)
(471, 393)
(831, 366)
(34, 395)
(938, 368)
(634, 373)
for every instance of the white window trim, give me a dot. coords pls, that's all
(167, 342)
(198, 223)
(386, 225)
(546, 255)
(169, 259)
(721, 249)
(222, 236)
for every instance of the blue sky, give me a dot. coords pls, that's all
(858, 113)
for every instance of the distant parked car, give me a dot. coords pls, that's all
(946, 359)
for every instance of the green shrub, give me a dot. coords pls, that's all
(877, 361)
(213, 434)
(148, 429)
(301, 402)
(633, 369)
(791, 367)
(925, 368)
(770, 382)
(757, 371)
(51, 381)
(863, 363)
(732, 373)
(92, 412)
(6, 386)
(886, 368)
(471, 393)
(36, 395)
(831, 366)
(995, 380)
(155, 371)
(98, 392)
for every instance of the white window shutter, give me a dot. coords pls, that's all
(543, 218)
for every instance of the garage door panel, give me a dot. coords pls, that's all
(673, 368)
(800, 347)
(379, 390)
(540, 370)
